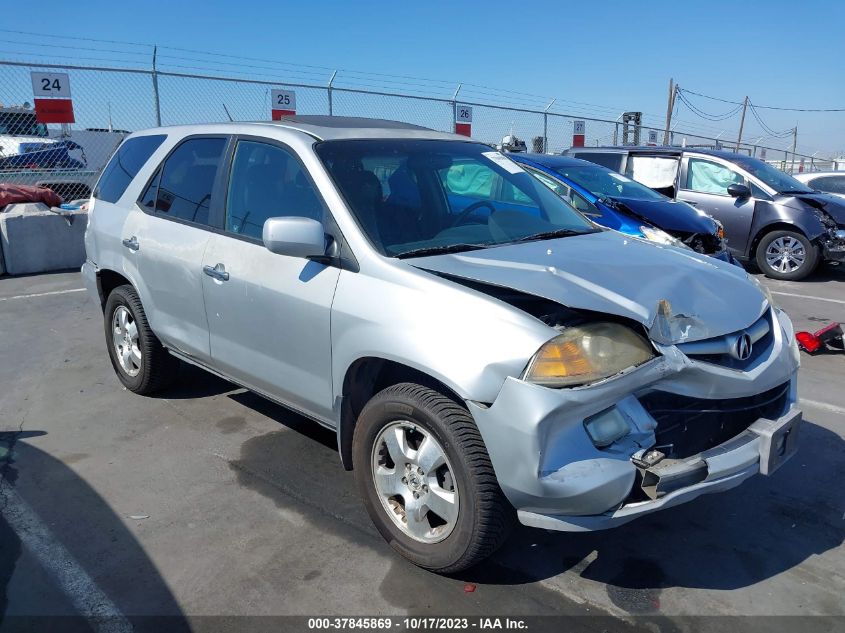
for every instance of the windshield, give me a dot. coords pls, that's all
(775, 178)
(604, 183)
(416, 197)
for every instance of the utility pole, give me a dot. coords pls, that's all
(741, 124)
(794, 145)
(669, 109)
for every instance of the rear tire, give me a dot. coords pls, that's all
(787, 255)
(140, 361)
(453, 465)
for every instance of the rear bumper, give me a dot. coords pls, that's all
(89, 278)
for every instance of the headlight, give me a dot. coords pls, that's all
(658, 236)
(587, 353)
(762, 288)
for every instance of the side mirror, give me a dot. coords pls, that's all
(294, 236)
(737, 190)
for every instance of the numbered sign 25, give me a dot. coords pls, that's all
(50, 85)
(463, 113)
(283, 99)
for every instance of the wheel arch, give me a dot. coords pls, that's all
(108, 280)
(771, 228)
(363, 379)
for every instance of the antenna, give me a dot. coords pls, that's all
(231, 120)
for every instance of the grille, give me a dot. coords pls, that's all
(686, 426)
(717, 351)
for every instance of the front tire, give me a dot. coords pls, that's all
(426, 479)
(787, 255)
(138, 357)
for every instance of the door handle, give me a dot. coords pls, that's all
(131, 243)
(217, 272)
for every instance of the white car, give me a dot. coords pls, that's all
(826, 181)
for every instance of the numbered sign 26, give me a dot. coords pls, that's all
(50, 85)
(283, 103)
(463, 119)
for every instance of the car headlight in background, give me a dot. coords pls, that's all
(587, 353)
(659, 236)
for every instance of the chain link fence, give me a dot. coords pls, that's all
(109, 103)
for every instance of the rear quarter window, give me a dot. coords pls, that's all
(125, 165)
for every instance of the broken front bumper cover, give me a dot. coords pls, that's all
(763, 448)
(556, 478)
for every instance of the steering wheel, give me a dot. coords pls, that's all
(466, 212)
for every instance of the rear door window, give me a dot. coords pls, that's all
(657, 172)
(125, 165)
(185, 182)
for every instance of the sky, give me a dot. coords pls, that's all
(597, 58)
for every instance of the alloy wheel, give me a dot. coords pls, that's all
(414, 482)
(785, 254)
(125, 341)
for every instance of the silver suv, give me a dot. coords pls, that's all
(482, 350)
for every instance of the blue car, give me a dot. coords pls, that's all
(617, 202)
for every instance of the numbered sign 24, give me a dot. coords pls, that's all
(283, 103)
(50, 85)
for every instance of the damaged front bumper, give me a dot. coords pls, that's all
(695, 426)
(834, 248)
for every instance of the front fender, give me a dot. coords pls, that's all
(466, 340)
(769, 213)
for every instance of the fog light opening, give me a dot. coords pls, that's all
(607, 427)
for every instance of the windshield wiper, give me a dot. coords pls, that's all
(548, 235)
(796, 191)
(441, 250)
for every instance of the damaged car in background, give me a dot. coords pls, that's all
(481, 358)
(622, 204)
(770, 218)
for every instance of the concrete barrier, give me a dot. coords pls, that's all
(34, 239)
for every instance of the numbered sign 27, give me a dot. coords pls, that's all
(463, 119)
(283, 103)
(50, 85)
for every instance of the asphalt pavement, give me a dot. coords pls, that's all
(208, 500)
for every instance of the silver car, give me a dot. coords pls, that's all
(827, 181)
(482, 350)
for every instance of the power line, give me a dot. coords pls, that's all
(762, 107)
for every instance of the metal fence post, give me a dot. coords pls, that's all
(454, 109)
(546, 126)
(329, 89)
(155, 89)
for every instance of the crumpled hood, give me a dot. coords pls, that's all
(696, 296)
(670, 215)
(834, 206)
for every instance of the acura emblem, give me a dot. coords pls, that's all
(742, 347)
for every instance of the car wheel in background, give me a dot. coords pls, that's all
(138, 358)
(426, 480)
(787, 255)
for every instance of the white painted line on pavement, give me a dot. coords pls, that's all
(790, 294)
(43, 294)
(823, 405)
(87, 598)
